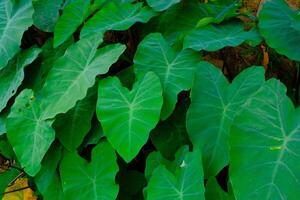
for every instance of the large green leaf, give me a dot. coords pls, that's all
(47, 180)
(94, 180)
(175, 70)
(214, 105)
(277, 24)
(15, 18)
(215, 37)
(75, 72)
(78, 121)
(161, 5)
(186, 182)
(73, 15)
(28, 134)
(12, 75)
(117, 16)
(127, 116)
(265, 142)
(46, 13)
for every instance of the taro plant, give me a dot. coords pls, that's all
(156, 100)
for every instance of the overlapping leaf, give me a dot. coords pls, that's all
(127, 116)
(161, 5)
(73, 15)
(265, 141)
(215, 37)
(278, 25)
(75, 72)
(94, 180)
(46, 13)
(213, 190)
(117, 16)
(12, 75)
(214, 105)
(15, 18)
(185, 182)
(175, 70)
(71, 127)
(25, 123)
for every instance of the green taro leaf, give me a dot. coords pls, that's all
(117, 17)
(127, 117)
(24, 123)
(73, 15)
(6, 149)
(47, 180)
(75, 72)
(184, 183)
(155, 159)
(215, 37)
(213, 191)
(2, 124)
(265, 142)
(94, 180)
(15, 18)
(214, 104)
(46, 13)
(175, 70)
(277, 24)
(12, 75)
(162, 4)
(78, 121)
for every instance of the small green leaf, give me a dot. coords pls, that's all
(2, 124)
(127, 116)
(155, 159)
(6, 178)
(6, 149)
(117, 16)
(71, 127)
(161, 5)
(171, 134)
(15, 17)
(213, 191)
(24, 123)
(215, 37)
(46, 13)
(73, 15)
(175, 70)
(12, 75)
(265, 142)
(75, 72)
(214, 105)
(94, 180)
(185, 183)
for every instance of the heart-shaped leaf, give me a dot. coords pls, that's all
(175, 70)
(117, 16)
(185, 182)
(215, 37)
(162, 4)
(214, 105)
(265, 142)
(277, 24)
(75, 72)
(12, 75)
(73, 15)
(127, 116)
(94, 180)
(24, 123)
(15, 17)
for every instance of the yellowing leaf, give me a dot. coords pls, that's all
(26, 194)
